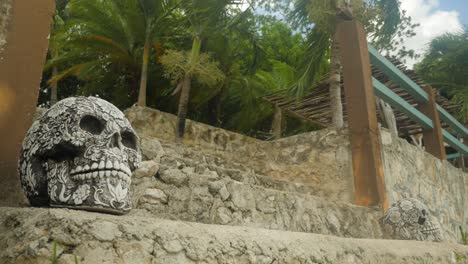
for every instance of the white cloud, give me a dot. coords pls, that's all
(434, 22)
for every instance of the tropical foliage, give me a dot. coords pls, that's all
(208, 60)
(384, 23)
(445, 66)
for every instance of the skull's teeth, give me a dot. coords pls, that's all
(101, 175)
(103, 169)
(126, 169)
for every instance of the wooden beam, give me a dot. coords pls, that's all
(21, 64)
(369, 182)
(397, 75)
(452, 122)
(433, 138)
(454, 142)
(453, 156)
(394, 100)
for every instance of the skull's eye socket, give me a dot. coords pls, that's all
(92, 125)
(129, 140)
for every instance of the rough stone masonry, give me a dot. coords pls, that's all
(321, 160)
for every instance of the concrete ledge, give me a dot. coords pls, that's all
(27, 235)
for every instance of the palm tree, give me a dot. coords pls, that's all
(111, 40)
(445, 65)
(381, 18)
(204, 17)
(155, 16)
(53, 53)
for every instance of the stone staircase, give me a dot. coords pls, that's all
(194, 204)
(191, 185)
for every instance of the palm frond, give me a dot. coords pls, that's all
(314, 64)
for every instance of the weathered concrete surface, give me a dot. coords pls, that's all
(26, 236)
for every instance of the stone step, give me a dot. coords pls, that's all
(246, 176)
(185, 193)
(27, 236)
(171, 155)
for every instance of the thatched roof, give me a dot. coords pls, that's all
(315, 107)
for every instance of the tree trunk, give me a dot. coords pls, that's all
(336, 106)
(277, 125)
(144, 74)
(183, 107)
(388, 116)
(215, 105)
(185, 93)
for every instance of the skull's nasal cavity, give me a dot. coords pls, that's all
(116, 141)
(421, 220)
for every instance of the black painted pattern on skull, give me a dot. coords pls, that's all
(80, 154)
(409, 219)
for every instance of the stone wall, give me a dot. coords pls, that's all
(322, 160)
(319, 159)
(410, 172)
(154, 123)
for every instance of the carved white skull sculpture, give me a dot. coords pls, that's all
(80, 154)
(409, 219)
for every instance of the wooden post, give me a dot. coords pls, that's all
(463, 157)
(21, 62)
(433, 139)
(277, 124)
(369, 182)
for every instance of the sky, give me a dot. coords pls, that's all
(436, 17)
(460, 6)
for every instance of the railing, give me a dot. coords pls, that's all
(421, 96)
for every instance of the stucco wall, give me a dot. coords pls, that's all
(322, 160)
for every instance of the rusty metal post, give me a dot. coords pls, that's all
(433, 139)
(22, 59)
(369, 182)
